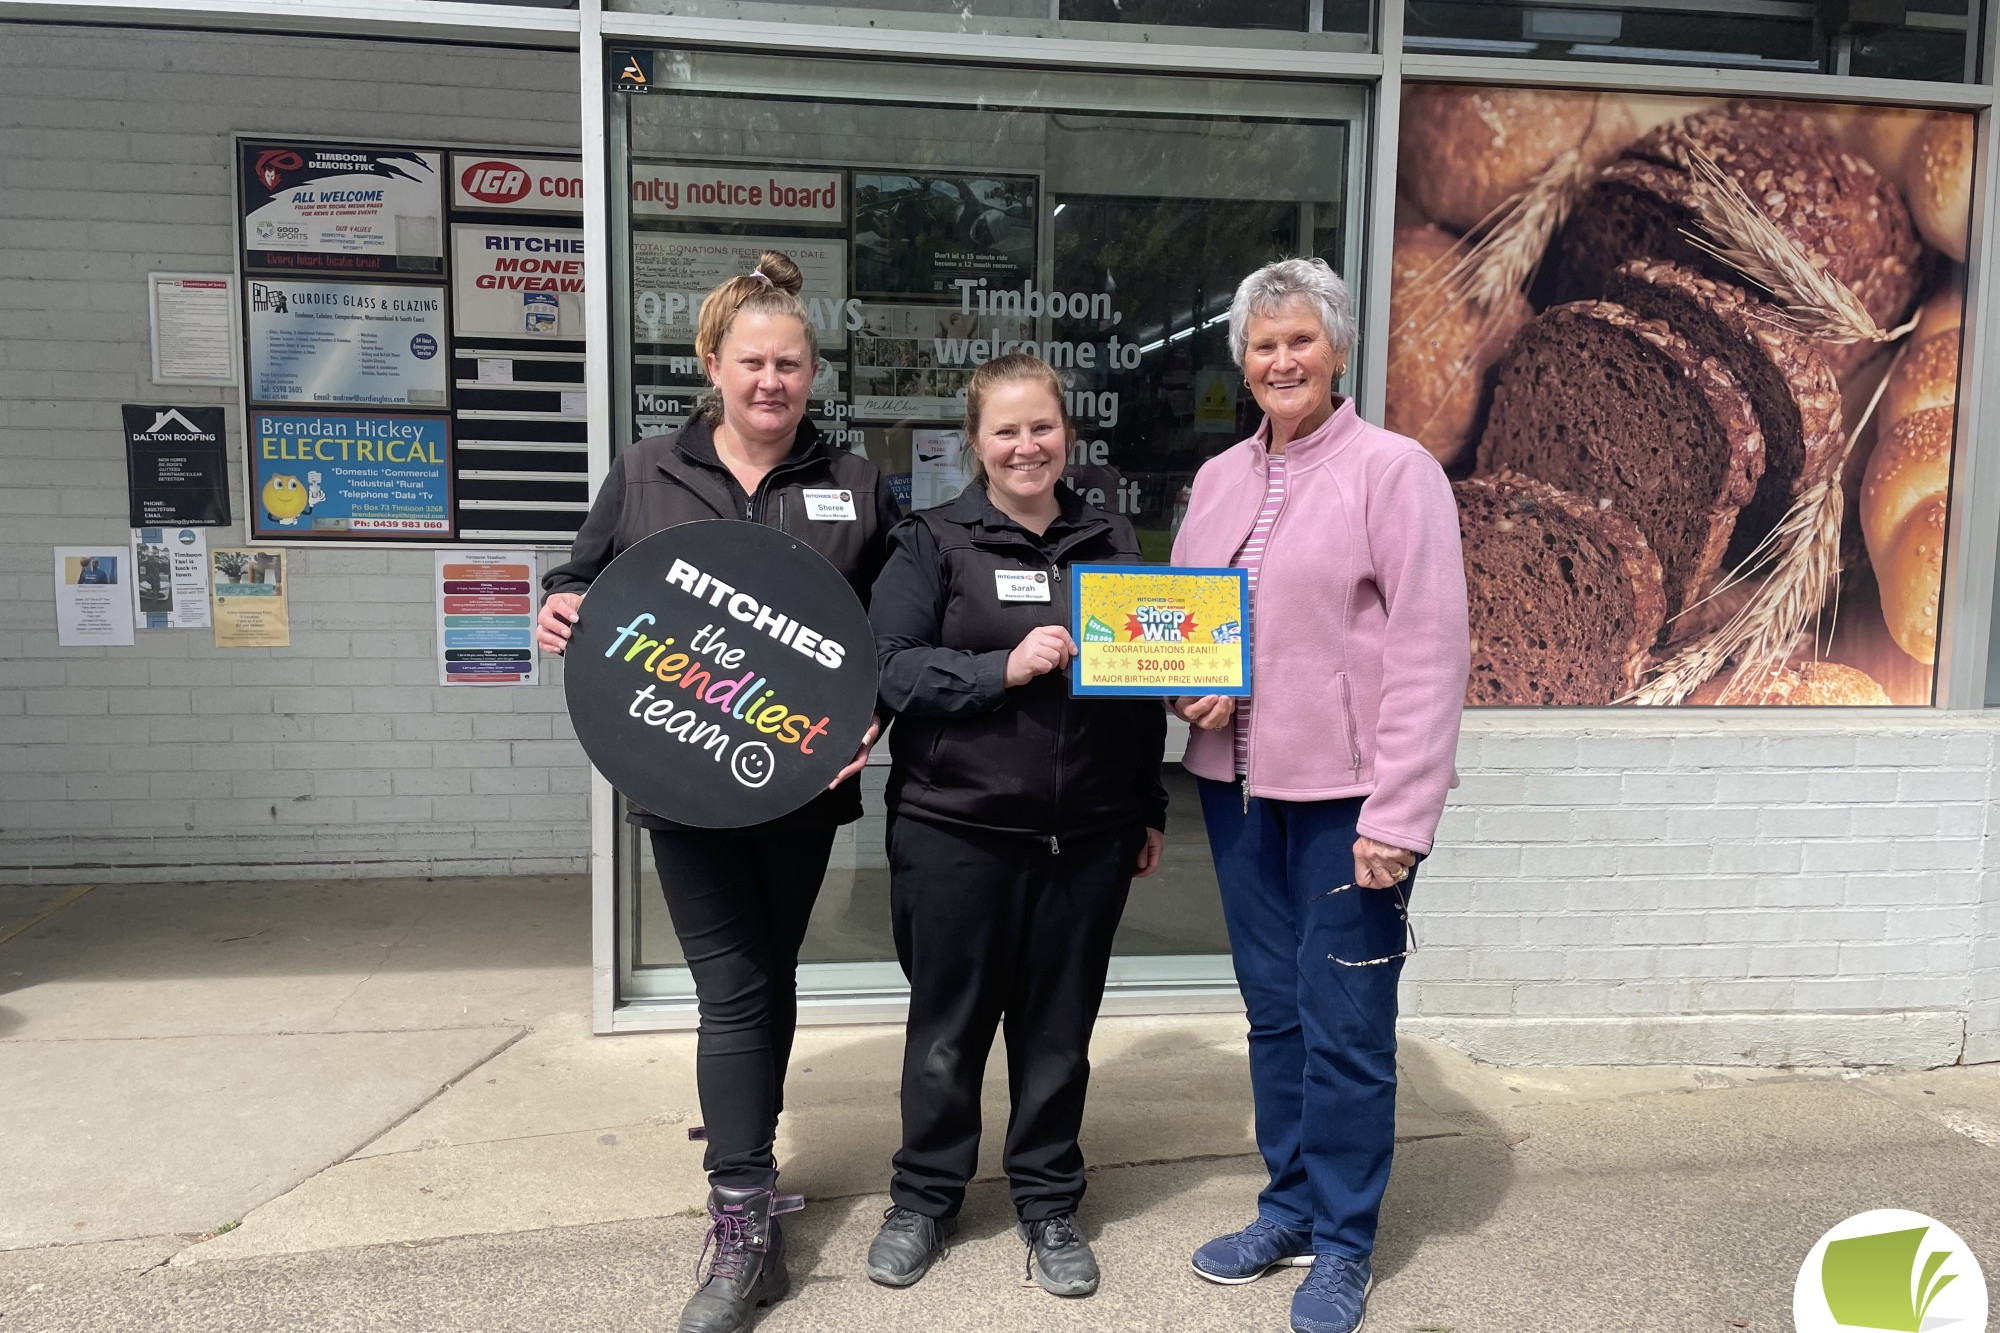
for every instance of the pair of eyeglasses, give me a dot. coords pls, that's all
(1402, 914)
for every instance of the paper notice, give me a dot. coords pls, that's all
(93, 605)
(575, 404)
(170, 585)
(496, 370)
(252, 609)
(194, 338)
(485, 617)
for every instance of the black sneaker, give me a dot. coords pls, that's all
(1059, 1258)
(906, 1246)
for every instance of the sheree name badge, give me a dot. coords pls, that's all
(1158, 630)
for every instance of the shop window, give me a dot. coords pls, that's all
(1293, 23)
(942, 216)
(1934, 40)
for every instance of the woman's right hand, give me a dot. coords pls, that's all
(1211, 712)
(552, 625)
(1046, 648)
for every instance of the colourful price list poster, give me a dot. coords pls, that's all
(486, 617)
(1159, 630)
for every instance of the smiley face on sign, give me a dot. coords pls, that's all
(720, 674)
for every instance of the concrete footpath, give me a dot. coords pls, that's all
(377, 1105)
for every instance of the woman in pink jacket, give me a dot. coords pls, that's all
(1323, 788)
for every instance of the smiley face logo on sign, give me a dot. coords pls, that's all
(720, 674)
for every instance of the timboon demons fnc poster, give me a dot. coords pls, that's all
(1693, 366)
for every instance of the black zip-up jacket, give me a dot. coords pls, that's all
(969, 751)
(665, 480)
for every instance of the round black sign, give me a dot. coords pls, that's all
(720, 673)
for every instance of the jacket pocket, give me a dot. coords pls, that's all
(1347, 716)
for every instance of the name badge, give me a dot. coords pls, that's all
(830, 506)
(1021, 585)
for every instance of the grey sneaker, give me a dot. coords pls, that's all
(906, 1246)
(1059, 1258)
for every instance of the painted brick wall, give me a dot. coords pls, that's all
(1825, 875)
(1738, 887)
(173, 758)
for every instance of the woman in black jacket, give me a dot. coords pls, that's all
(1018, 819)
(740, 898)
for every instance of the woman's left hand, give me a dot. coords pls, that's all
(860, 760)
(1149, 855)
(1377, 865)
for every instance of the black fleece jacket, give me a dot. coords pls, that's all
(966, 749)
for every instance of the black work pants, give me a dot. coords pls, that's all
(998, 930)
(740, 900)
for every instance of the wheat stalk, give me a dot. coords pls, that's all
(1741, 235)
(1510, 244)
(1805, 568)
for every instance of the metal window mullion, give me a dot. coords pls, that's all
(1384, 137)
(1040, 52)
(605, 939)
(1693, 81)
(1972, 532)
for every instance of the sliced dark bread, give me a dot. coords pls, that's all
(1847, 219)
(1564, 595)
(1625, 412)
(1789, 382)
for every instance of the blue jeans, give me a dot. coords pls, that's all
(1322, 1036)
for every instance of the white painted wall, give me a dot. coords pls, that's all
(174, 759)
(1738, 887)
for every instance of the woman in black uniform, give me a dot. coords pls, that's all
(740, 898)
(1018, 819)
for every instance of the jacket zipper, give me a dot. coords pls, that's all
(1256, 637)
(1353, 732)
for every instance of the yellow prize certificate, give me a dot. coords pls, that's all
(1159, 630)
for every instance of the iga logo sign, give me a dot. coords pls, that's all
(494, 182)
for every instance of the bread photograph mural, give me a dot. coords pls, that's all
(1693, 368)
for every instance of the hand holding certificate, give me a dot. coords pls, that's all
(1154, 630)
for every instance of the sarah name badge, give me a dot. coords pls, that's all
(836, 506)
(1021, 585)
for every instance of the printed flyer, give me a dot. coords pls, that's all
(345, 342)
(171, 590)
(317, 208)
(314, 476)
(1154, 630)
(92, 604)
(252, 607)
(176, 465)
(517, 282)
(485, 617)
(917, 235)
(672, 272)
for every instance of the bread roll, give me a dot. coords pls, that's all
(1926, 378)
(1902, 519)
(1439, 353)
(1882, 134)
(1942, 312)
(1809, 685)
(1913, 567)
(1938, 180)
(1467, 149)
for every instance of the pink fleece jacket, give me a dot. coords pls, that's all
(1359, 648)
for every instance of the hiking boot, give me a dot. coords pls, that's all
(1246, 1255)
(745, 1253)
(1059, 1258)
(906, 1246)
(1334, 1296)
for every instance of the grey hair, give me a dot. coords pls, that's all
(1310, 280)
